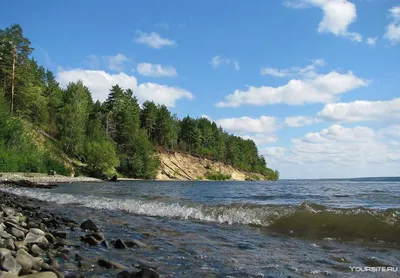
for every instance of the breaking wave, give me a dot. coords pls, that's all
(308, 220)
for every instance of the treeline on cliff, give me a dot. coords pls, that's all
(119, 134)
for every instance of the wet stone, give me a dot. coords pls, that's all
(119, 244)
(60, 234)
(89, 225)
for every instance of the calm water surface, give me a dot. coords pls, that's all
(289, 228)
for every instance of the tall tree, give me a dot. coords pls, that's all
(73, 117)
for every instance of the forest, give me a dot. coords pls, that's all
(119, 136)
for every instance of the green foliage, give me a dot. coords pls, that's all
(199, 178)
(101, 157)
(217, 176)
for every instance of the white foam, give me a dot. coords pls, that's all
(219, 214)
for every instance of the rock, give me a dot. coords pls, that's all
(36, 231)
(50, 238)
(98, 236)
(135, 243)
(114, 178)
(32, 225)
(105, 244)
(8, 211)
(90, 240)
(47, 274)
(54, 264)
(60, 234)
(33, 238)
(60, 242)
(6, 235)
(17, 233)
(119, 244)
(4, 274)
(37, 251)
(2, 245)
(4, 252)
(9, 243)
(8, 263)
(19, 244)
(36, 261)
(124, 274)
(108, 264)
(89, 225)
(25, 262)
(146, 273)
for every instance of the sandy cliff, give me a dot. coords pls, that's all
(182, 166)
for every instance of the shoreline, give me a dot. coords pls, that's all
(38, 243)
(42, 178)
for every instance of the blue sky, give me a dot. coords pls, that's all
(314, 82)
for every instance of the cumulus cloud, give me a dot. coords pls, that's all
(338, 15)
(100, 82)
(391, 131)
(162, 94)
(274, 152)
(309, 70)
(358, 111)
(318, 88)
(114, 63)
(153, 40)
(117, 62)
(372, 41)
(218, 61)
(393, 29)
(299, 121)
(338, 151)
(263, 124)
(261, 138)
(156, 70)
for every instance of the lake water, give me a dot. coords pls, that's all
(288, 228)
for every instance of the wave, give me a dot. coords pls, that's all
(308, 220)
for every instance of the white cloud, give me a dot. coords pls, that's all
(314, 89)
(391, 131)
(337, 151)
(338, 15)
(274, 152)
(393, 29)
(299, 121)
(217, 61)
(156, 70)
(261, 138)
(153, 40)
(162, 94)
(264, 124)
(117, 62)
(114, 63)
(309, 70)
(372, 41)
(360, 111)
(100, 83)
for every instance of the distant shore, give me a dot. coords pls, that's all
(44, 178)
